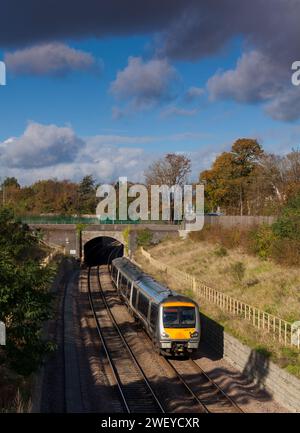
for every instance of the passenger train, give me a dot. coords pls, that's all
(171, 320)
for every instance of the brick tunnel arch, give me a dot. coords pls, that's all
(101, 250)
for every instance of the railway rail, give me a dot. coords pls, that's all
(206, 390)
(135, 391)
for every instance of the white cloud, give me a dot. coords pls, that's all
(49, 59)
(285, 106)
(144, 84)
(40, 146)
(50, 151)
(255, 78)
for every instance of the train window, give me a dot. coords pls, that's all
(179, 317)
(128, 289)
(123, 284)
(153, 314)
(187, 316)
(114, 273)
(143, 304)
(134, 296)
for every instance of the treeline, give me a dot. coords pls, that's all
(50, 197)
(243, 181)
(248, 181)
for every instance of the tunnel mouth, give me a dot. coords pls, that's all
(102, 250)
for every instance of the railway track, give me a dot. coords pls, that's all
(135, 391)
(204, 390)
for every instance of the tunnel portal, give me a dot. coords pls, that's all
(102, 250)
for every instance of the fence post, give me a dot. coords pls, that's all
(194, 284)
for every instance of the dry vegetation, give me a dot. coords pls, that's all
(15, 392)
(262, 283)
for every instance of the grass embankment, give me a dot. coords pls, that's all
(264, 284)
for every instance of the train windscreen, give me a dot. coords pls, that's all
(179, 317)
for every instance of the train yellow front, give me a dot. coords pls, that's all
(171, 320)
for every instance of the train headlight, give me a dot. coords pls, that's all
(165, 335)
(194, 334)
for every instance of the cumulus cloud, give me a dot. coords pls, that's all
(286, 105)
(60, 154)
(255, 78)
(50, 151)
(144, 84)
(258, 78)
(49, 59)
(40, 146)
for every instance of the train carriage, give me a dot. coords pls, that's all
(171, 320)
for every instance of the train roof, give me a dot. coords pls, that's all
(147, 283)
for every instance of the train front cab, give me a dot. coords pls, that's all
(179, 327)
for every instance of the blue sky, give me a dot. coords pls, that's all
(115, 125)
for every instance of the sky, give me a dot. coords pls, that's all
(105, 88)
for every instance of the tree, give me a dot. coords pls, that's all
(25, 302)
(87, 195)
(227, 182)
(246, 154)
(10, 182)
(10, 188)
(171, 170)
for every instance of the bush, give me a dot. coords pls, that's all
(221, 251)
(288, 224)
(144, 238)
(286, 251)
(238, 270)
(25, 302)
(279, 241)
(262, 240)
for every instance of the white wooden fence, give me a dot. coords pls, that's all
(55, 249)
(284, 332)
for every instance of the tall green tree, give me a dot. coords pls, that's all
(25, 302)
(226, 183)
(87, 195)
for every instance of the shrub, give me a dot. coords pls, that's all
(238, 270)
(288, 224)
(221, 251)
(144, 238)
(262, 240)
(126, 234)
(286, 251)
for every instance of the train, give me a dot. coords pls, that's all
(171, 320)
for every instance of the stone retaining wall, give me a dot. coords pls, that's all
(284, 387)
